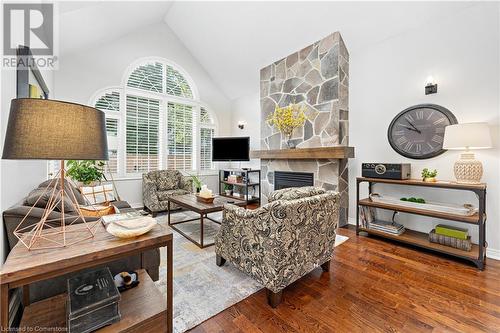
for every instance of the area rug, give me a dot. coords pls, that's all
(202, 289)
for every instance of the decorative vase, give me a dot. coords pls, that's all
(430, 179)
(228, 192)
(290, 143)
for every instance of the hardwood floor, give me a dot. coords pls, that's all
(373, 286)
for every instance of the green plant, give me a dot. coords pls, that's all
(412, 199)
(86, 172)
(228, 187)
(426, 173)
(196, 182)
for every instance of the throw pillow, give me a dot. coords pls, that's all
(41, 196)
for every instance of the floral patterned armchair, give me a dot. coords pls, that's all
(158, 186)
(282, 241)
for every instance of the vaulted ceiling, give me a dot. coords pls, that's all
(233, 40)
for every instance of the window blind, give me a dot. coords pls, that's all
(147, 77)
(109, 102)
(179, 136)
(112, 126)
(142, 137)
(177, 85)
(206, 135)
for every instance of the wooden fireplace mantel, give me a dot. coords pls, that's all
(338, 152)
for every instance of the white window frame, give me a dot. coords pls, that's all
(164, 99)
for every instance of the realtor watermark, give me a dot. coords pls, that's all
(29, 36)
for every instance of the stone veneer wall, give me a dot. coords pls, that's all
(317, 77)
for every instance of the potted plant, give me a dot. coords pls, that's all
(429, 176)
(228, 189)
(286, 119)
(197, 183)
(87, 172)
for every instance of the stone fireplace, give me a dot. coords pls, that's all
(317, 76)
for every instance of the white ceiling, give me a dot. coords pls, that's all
(233, 40)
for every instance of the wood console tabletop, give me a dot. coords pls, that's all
(24, 267)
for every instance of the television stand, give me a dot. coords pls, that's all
(244, 186)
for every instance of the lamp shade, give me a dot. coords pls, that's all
(467, 136)
(44, 129)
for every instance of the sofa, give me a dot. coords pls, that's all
(158, 186)
(148, 260)
(281, 241)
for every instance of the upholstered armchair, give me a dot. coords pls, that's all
(158, 186)
(282, 241)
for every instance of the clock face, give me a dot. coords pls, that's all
(418, 131)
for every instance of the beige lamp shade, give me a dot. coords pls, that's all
(467, 136)
(54, 130)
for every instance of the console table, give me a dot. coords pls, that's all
(143, 308)
(478, 253)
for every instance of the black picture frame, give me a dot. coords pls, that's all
(448, 114)
(25, 66)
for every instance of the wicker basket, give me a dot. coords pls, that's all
(462, 244)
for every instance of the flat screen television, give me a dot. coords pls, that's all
(226, 149)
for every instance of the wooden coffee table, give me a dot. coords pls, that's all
(189, 202)
(143, 309)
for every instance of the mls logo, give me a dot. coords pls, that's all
(29, 25)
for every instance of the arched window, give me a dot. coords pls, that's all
(155, 121)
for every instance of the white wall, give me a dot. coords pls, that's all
(462, 54)
(81, 75)
(17, 177)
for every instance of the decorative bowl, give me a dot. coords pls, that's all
(131, 227)
(204, 200)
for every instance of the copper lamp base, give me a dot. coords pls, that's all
(52, 232)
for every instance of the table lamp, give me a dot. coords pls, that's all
(41, 129)
(467, 136)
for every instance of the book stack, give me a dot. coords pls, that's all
(451, 236)
(392, 228)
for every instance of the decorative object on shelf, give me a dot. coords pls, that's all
(386, 170)
(430, 86)
(126, 280)
(446, 230)
(468, 136)
(464, 210)
(392, 228)
(131, 227)
(228, 189)
(429, 176)
(86, 172)
(286, 119)
(462, 244)
(241, 124)
(235, 179)
(418, 131)
(52, 130)
(93, 301)
(415, 200)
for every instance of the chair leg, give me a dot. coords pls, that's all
(154, 214)
(219, 260)
(274, 299)
(326, 266)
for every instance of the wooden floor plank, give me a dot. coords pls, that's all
(376, 286)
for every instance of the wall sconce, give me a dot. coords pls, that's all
(241, 124)
(430, 86)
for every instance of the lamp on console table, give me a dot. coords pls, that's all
(467, 136)
(41, 129)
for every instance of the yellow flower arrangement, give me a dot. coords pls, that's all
(287, 118)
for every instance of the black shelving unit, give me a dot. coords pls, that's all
(250, 184)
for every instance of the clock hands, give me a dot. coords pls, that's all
(414, 128)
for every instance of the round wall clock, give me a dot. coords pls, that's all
(418, 131)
